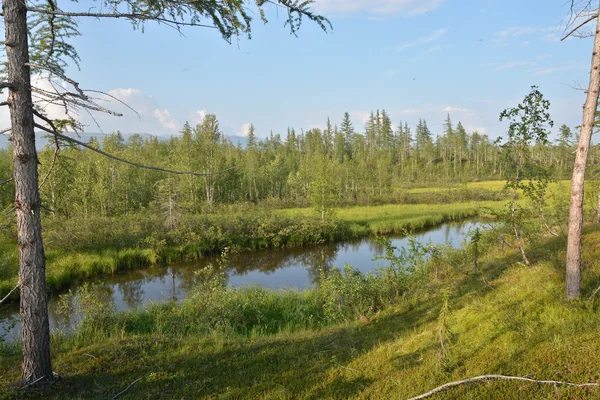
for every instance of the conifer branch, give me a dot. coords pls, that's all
(130, 16)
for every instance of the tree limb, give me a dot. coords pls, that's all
(6, 181)
(9, 293)
(131, 16)
(56, 150)
(572, 31)
(497, 377)
(129, 387)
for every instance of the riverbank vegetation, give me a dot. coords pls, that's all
(312, 188)
(83, 249)
(355, 336)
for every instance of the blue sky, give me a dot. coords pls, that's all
(414, 58)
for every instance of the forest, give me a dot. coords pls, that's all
(340, 165)
(137, 265)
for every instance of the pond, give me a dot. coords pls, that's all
(297, 268)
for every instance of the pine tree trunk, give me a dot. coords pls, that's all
(577, 184)
(35, 329)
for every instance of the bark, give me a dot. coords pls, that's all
(598, 210)
(573, 273)
(32, 269)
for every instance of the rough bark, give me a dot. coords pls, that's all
(32, 269)
(573, 273)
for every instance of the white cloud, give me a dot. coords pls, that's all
(508, 65)
(197, 117)
(142, 103)
(165, 119)
(547, 71)
(362, 116)
(52, 111)
(450, 109)
(547, 33)
(378, 7)
(423, 40)
(244, 129)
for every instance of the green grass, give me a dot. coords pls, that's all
(78, 250)
(510, 319)
(397, 218)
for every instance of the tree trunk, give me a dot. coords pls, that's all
(598, 210)
(35, 330)
(577, 185)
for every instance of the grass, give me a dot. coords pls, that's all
(78, 250)
(510, 319)
(397, 218)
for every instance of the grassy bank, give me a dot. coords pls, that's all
(79, 249)
(507, 319)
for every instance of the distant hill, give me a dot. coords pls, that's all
(241, 140)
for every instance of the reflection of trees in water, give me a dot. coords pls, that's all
(132, 292)
(314, 258)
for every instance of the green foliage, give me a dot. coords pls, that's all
(508, 319)
(529, 124)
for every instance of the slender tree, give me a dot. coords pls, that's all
(51, 27)
(573, 268)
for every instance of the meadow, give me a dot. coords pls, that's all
(79, 249)
(355, 337)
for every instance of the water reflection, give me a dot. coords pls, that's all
(275, 268)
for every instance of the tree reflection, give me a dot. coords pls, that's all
(132, 292)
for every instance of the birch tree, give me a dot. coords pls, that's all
(36, 41)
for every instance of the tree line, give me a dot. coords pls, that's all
(338, 164)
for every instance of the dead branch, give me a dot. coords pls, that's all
(497, 377)
(129, 387)
(6, 181)
(56, 150)
(48, 209)
(593, 294)
(9, 293)
(572, 31)
(32, 383)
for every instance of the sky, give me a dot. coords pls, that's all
(413, 58)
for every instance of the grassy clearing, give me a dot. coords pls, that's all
(78, 250)
(397, 218)
(510, 319)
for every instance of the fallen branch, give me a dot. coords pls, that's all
(32, 383)
(9, 293)
(129, 387)
(498, 377)
(593, 294)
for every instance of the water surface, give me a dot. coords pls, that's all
(297, 268)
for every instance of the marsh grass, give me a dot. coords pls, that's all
(252, 343)
(78, 250)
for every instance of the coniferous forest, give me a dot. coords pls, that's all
(347, 164)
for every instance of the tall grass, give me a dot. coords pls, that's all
(78, 250)
(253, 343)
